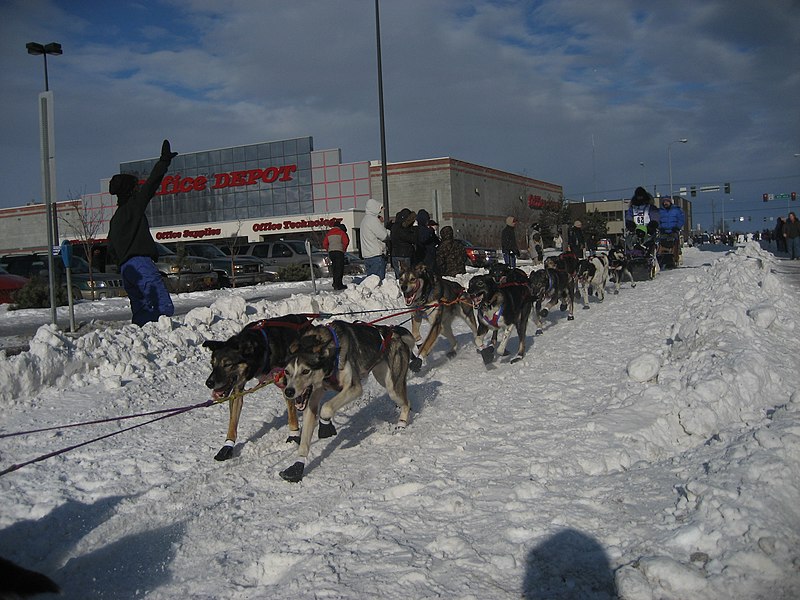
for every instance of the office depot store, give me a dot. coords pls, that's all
(286, 189)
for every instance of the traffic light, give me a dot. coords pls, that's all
(765, 197)
(727, 188)
(693, 191)
(794, 196)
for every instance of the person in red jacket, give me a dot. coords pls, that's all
(336, 242)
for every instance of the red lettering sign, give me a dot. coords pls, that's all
(175, 184)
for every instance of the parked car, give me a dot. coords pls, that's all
(236, 271)
(9, 283)
(88, 287)
(477, 256)
(181, 274)
(283, 253)
(604, 246)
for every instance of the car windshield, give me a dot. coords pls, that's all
(205, 250)
(163, 250)
(299, 246)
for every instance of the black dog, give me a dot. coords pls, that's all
(501, 306)
(502, 273)
(618, 267)
(258, 351)
(552, 285)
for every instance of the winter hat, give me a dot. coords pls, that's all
(511, 221)
(447, 233)
(641, 196)
(122, 185)
(342, 226)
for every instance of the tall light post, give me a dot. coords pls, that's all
(384, 168)
(669, 160)
(46, 129)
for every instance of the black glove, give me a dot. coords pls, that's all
(639, 233)
(676, 229)
(652, 227)
(166, 152)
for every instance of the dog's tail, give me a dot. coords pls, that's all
(406, 337)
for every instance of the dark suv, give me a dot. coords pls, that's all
(236, 271)
(283, 253)
(95, 287)
(181, 274)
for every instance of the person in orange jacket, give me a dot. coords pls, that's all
(336, 242)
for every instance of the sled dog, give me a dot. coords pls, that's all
(501, 307)
(552, 285)
(592, 277)
(258, 351)
(338, 356)
(420, 288)
(618, 268)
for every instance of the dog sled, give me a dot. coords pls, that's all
(641, 253)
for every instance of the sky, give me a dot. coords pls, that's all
(590, 96)
(655, 457)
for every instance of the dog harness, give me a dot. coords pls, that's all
(331, 378)
(493, 322)
(277, 373)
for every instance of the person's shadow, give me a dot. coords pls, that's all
(568, 565)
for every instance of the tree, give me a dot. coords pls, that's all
(85, 223)
(595, 228)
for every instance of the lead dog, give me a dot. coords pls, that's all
(552, 285)
(592, 277)
(338, 356)
(444, 299)
(255, 352)
(501, 307)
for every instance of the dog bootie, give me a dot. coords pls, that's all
(415, 364)
(294, 473)
(294, 436)
(487, 354)
(326, 429)
(226, 451)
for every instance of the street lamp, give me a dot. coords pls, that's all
(48, 161)
(669, 160)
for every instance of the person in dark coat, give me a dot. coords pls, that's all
(427, 241)
(403, 239)
(508, 242)
(576, 240)
(336, 242)
(642, 218)
(451, 255)
(132, 244)
(780, 240)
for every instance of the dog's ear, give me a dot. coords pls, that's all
(213, 344)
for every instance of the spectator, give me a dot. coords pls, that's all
(558, 242)
(373, 240)
(671, 223)
(451, 255)
(427, 241)
(132, 245)
(791, 232)
(336, 242)
(577, 243)
(780, 240)
(535, 246)
(403, 238)
(508, 242)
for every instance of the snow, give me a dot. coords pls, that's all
(646, 450)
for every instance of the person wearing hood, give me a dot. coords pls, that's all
(427, 240)
(451, 255)
(642, 217)
(576, 240)
(336, 242)
(373, 239)
(671, 221)
(508, 242)
(535, 245)
(404, 239)
(131, 243)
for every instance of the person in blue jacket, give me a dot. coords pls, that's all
(671, 223)
(130, 241)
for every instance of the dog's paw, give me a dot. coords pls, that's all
(294, 473)
(415, 364)
(633, 285)
(224, 453)
(538, 332)
(616, 292)
(570, 317)
(563, 306)
(487, 354)
(516, 359)
(451, 354)
(544, 312)
(326, 429)
(293, 438)
(586, 307)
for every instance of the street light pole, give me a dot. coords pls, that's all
(384, 168)
(669, 160)
(48, 162)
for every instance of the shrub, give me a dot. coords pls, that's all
(294, 273)
(36, 294)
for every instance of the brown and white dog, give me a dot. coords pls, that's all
(338, 356)
(552, 286)
(256, 352)
(440, 301)
(592, 277)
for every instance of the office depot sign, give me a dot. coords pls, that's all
(264, 226)
(175, 184)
